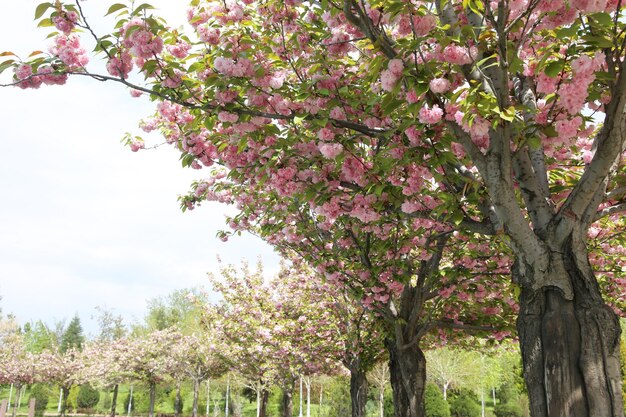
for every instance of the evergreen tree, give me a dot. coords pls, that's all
(73, 336)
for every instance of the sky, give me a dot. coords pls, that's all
(85, 222)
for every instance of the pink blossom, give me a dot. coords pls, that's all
(330, 150)
(439, 85)
(430, 116)
(325, 134)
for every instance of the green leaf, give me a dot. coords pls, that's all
(604, 19)
(554, 68)
(141, 8)
(41, 9)
(115, 7)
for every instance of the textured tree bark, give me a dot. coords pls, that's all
(358, 392)
(114, 400)
(570, 348)
(287, 402)
(408, 379)
(265, 398)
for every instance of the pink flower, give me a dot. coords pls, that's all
(325, 134)
(430, 116)
(439, 85)
(330, 150)
(225, 116)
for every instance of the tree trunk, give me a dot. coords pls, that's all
(408, 379)
(194, 406)
(66, 393)
(265, 398)
(15, 405)
(152, 398)
(570, 348)
(114, 400)
(358, 392)
(177, 401)
(287, 402)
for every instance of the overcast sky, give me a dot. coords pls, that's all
(84, 222)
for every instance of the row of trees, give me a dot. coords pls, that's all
(415, 153)
(273, 333)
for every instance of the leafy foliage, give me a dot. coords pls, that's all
(434, 403)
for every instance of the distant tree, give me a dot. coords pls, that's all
(111, 326)
(72, 336)
(38, 337)
(434, 403)
(180, 309)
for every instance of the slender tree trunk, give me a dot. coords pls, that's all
(493, 395)
(15, 404)
(114, 400)
(265, 399)
(407, 369)
(60, 401)
(227, 396)
(66, 393)
(570, 348)
(208, 396)
(319, 410)
(196, 389)
(300, 415)
(152, 398)
(307, 384)
(130, 401)
(177, 401)
(381, 400)
(358, 391)
(287, 401)
(10, 395)
(19, 399)
(482, 402)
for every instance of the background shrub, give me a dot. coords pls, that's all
(435, 405)
(464, 403)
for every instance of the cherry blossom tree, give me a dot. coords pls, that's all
(63, 368)
(199, 359)
(400, 135)
(149, 359)
(17, 365)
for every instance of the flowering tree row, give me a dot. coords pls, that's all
(414, 152)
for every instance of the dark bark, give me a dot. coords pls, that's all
(177, 401)
(570, 348)
(152, 398)
(358, 391)
(265, 398)
(194, 407)
(114, 400)
(407, 366)
(66, 393)
(287, 402)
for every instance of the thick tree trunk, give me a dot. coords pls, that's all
(152, 399)
(287, 402)
(358, 392)
(114, 400)
(570, 348)
(265, 398)
(408, 379)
